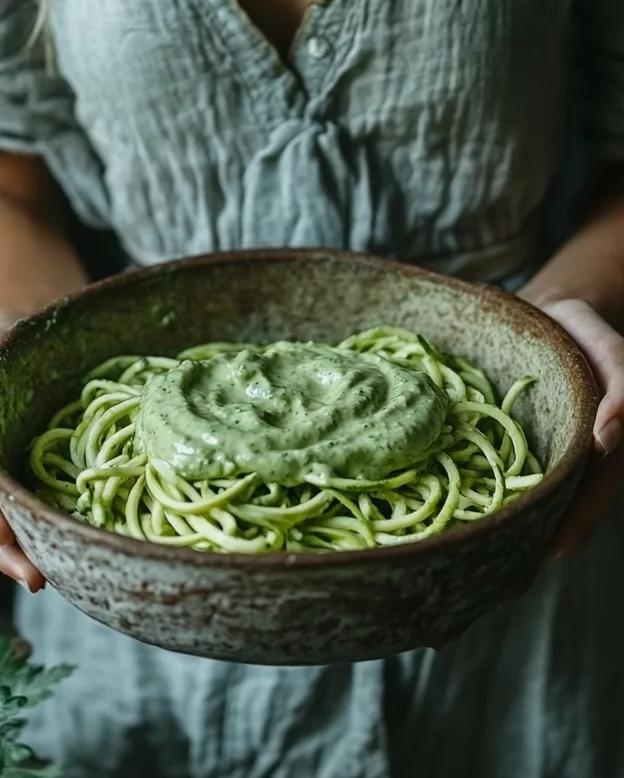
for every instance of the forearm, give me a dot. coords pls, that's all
(26, 183)
(582, 288)
(590, 266)
(37, 262)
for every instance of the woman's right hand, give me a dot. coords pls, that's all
(13, 561)
(37, 266)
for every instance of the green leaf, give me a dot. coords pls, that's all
(50, 771)
(22, 685)
(10, 705)
(16, 753)
(27, 680)
(35, 683)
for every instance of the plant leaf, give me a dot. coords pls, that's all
(50, 771)
(22, 685)
(25, 679)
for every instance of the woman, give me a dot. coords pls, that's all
(424, 129)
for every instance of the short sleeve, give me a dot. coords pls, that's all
(601, 38)
(37, 113)
(35, 104)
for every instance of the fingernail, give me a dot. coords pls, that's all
(610, 436)
(15, 565)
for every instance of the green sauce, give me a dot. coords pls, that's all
(288, 412)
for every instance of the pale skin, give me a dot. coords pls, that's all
(582, 287)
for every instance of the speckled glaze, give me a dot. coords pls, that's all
(292, 608)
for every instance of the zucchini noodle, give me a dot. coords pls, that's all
(87, 464)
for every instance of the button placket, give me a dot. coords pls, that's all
(313, 52)
(318, 48)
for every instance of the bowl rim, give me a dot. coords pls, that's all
(520, 313)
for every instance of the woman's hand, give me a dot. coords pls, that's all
(604, 349)
(37, 266)
(582, 287)
(13, 562)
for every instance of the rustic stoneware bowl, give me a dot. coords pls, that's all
(283, 608)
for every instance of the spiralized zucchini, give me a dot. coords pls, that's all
(86, 464)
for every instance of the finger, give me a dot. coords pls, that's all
(599, 488)
(604, 349)
(13, 562)
(15, 565)
(6, 534)
(608, 366)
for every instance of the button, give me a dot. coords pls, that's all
(318, 48)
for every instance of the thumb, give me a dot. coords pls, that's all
(604, 350)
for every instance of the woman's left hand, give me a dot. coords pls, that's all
(604, 349)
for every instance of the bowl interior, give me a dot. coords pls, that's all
(265, 297)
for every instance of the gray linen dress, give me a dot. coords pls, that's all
(427, 130)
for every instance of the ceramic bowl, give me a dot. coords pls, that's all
(284, 608)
